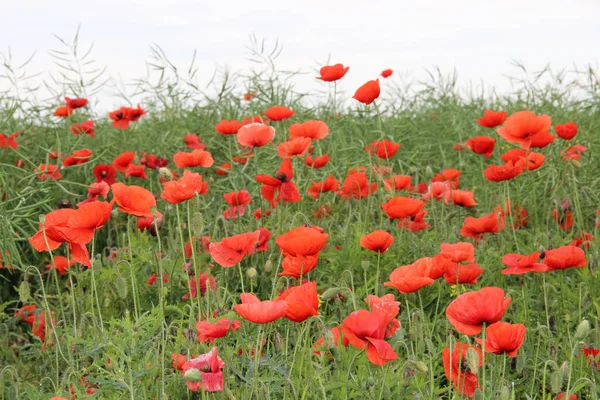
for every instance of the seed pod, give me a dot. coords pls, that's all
(121, 287)
(197, 223)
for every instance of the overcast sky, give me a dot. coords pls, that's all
(477, 38)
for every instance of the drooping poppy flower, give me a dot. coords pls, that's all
(209, 331)
(398, 182)
(63, 112)
(402, 207)
(332, 73)
(9, 142)
(294, 147)
(316, 162)
(193, 142)
(223, 169)
(357, 186)
(522, 264)
(566, 131)
(411, 278)
(302, 301)
(565, 257)
(458, 371)
(528, 159)
(573, 152)
(449, 175)
(231, 250)
(61, 263)
(563, 218)
(476, 227)
(482, 145)
(260, 312)
(499, 173)
(255, 135)
(330, 184)
(469, 311)
(133, 200)
(184, 188)
(206, 281)
(228, 127)
(363, 328)
(378, 241)
(105, 173)
(204, 372)
(77, 157)
(124, 116)
(86, 127)
(48, 171)
(136, 171)
(492, 119)
(461, 198)
(280, 186)
(389, 307)
(525, 128)
(368, 92)
(382, 148)
(197, 158)
(503, 338)
(386, 73)
(75, 103)
(313, 129)
(279, 113)
(123, 161)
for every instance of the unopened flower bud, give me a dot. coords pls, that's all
(268, 266)
(165, 174)
(251, 272)
(582, 330)
(473, 360)
(193, 375)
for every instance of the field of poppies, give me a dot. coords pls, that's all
(263, 244)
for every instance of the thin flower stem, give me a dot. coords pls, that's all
(135, 304)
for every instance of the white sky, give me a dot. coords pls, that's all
(478, 38)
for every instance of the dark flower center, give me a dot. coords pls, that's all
(282, 177)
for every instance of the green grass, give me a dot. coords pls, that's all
(115, 340)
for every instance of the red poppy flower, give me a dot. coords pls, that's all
(476, 227)
(332, 73)
(325, 344)
(302, 241)
(460, 274)
(124, 116)
(449, 175)
(377, 241)
(461, 198)
(280, 186)
(204, 372)
(368, 92)
(75, 103)
(86, 127)
(565, 257)
(9, 142)
(526, 128)
(499, 173)
(77, 157)
(62, 264)
(566, 131)
(564, 219)
(522, 264)
(255, 135)
(367, 329)
(402, 207)
(136, 171)
(206, 281)
(584, 240)
(152, 279)
(386, 73)
(260, 312)
(492, 119)
(63, 112)
(133, 200)
(398, 182)
(193, 142)
(208, 331)
(231, 250)
(519, 156)
(313, 129)
(123, 161)
(356, 185)
(48, 171)
(152, 161)
(279, 113)
(388, 306)
(302, 301)
(178, 361)
(437, 190)
(330, 184)
(228, 127)
(253, 120)
(573, 152)
(249, 96)
(316, 162)
(457, 368)
(482, 145)
(105, 173)
(382, 148)
(184, 188)
(469, 311)
(293, 147)
(298, 266)
(223, 169)
(503, 337)
(563, 396)
(414, 224)
(411, 278)
(197, 158)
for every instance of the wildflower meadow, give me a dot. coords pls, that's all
(259, 242)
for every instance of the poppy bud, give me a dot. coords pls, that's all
(428, 172)
(24, 292)
(121, 286)
(504, 393)
(473, 360)
(365, 264)
(64, 204)
(114, 213)
(155, 226)
(197, 223)
(582, 330)
(251, 272)
(420, 366)
(165, 174)
(575, 163)
(229, 395)
(330, 293)
(107, 303)
(268, 266)
(278, 341)
(193, 375)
